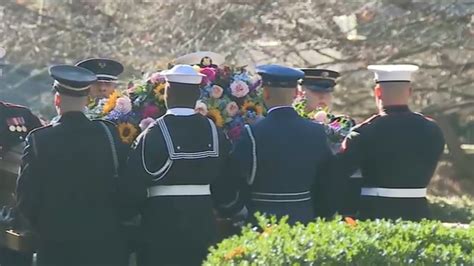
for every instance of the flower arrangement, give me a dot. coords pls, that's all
(132, 110)
(231, 98)
(337, 127)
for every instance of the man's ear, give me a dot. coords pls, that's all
(296, 92)
(378, 91)
(266, 94)
(57, 100)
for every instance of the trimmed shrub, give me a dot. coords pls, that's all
(347, 243)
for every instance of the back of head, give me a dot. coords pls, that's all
(68, 103)
(277, 96)
(395, 93)
(72, 85)
(183, 86)
(280, 84)
(181, 95)
(394, 83)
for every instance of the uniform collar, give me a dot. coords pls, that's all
(279, 107)
(73, 116)
(396, 109)
(178, 111)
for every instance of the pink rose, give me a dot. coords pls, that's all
(232, 109)
(210, 75)
(145, 123)
(217, 92)
(321, 117)
(239, 88)
(151, 111)
(201, 108)
(123, 105)
(157, 78)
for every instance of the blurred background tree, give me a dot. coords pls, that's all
(437, 35)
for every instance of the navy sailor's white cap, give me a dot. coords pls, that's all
(72, 80)
(184, 74)
(393, 73)
(106, 70)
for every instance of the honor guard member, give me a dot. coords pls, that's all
(279, 160)
(397, 150)
(107, 72)
(318, 87)
(170, 172)
(67, 184)
(15, 124)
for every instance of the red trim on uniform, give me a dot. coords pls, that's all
(367, 121)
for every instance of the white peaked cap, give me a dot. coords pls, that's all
(392, 72)
(195, 58)
(183, 74)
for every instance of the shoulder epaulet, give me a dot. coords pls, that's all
(367, 121)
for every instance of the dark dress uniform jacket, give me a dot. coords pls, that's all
(177, 227)
(277, 164)
(396, 149)
(67, 190)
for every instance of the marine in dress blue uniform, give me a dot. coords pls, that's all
(68, 180)
(397, 150)
(172, 170)
(281, 159)
(15, 124)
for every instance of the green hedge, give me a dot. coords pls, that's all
(452, 209)
(340, 243)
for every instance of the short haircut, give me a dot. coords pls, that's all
(181, 94)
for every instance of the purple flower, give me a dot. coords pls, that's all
(234, 133)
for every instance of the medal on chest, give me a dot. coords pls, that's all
(17, 124)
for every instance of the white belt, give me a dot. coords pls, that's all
(394, 192)
(179, 190)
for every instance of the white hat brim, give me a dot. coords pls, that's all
(392, 72)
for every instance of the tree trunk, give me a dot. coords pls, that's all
(460, 160)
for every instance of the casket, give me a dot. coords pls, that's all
(10, 160)
(9, 167)
(22, 241)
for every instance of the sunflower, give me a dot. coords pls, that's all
(249, 106)
(160, 91)
(111, 101)
(127, 132)
(216, 116)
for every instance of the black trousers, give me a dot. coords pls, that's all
(411, 209)
(82, 253)
(10, 257)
